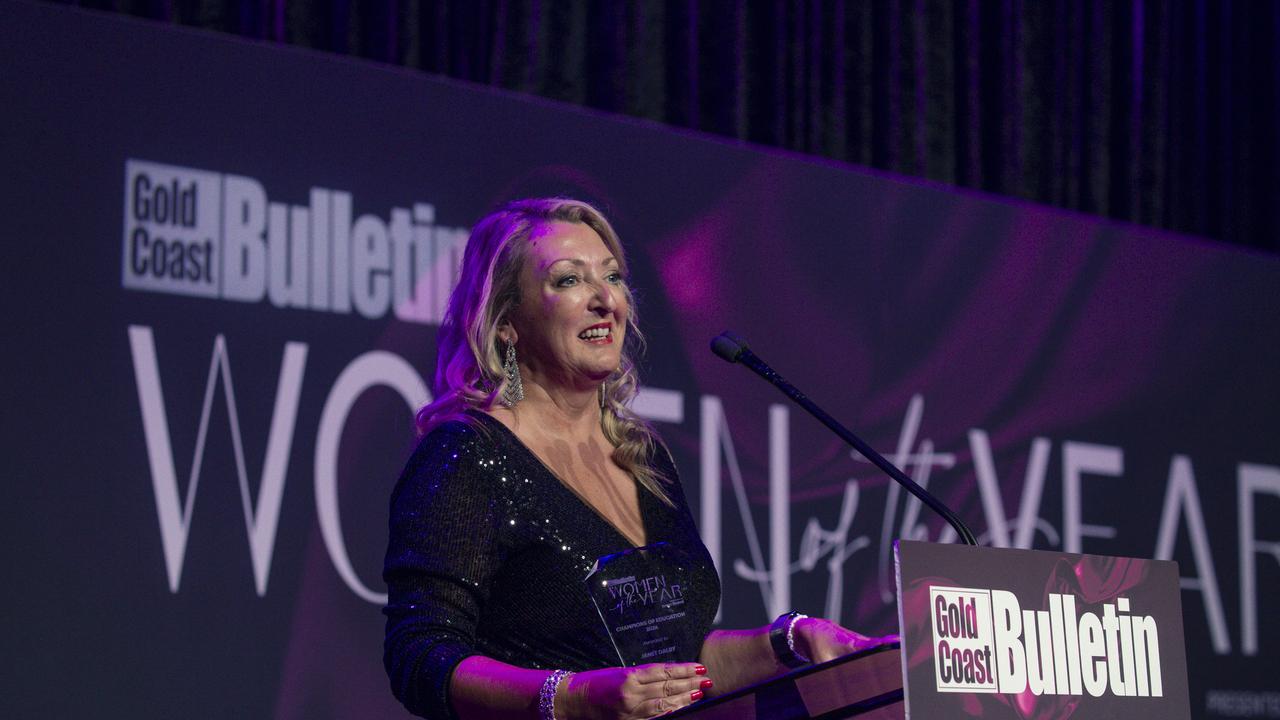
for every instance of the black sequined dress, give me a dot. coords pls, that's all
(487, 555)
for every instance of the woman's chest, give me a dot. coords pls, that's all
(551, 526)
(599, 486)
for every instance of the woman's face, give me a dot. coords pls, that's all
(572, 316)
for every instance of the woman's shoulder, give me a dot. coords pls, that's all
(453, 454)
(457, 427)
(471, 434)
(657, 456)
(662, 463)
(449, 437)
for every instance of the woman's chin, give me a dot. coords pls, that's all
(598, 365)
(596, 375)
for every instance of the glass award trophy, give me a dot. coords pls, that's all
(640, 595)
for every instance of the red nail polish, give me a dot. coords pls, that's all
(696, 695)
(706, 684)
(700, 670)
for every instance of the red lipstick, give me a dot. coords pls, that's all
(598, 334)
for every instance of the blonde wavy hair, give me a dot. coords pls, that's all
(469, 360)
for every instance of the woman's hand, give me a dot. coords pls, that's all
(822, 640)
(631, 693)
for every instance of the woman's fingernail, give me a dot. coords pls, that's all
(700, 670)
(706, 684)
(695, 696)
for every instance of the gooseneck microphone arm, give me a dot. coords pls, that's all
(734, 349)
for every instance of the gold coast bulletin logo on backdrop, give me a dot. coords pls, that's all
(216, 235)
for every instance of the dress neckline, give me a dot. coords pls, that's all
(492, 421)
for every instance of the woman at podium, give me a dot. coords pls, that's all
(530, 470)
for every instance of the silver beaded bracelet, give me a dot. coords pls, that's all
(782, 637)
(547, 695)
(791, 636)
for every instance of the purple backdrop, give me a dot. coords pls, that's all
(198, 457)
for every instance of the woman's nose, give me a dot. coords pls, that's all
(605, 299)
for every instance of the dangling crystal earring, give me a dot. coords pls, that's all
(514, 391)
(601, 396)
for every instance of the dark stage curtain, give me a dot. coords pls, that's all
(1160, 112)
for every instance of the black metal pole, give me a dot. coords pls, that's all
(733, 349)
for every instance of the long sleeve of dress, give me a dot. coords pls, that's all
(443, 550)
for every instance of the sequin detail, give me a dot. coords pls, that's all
(487, 555)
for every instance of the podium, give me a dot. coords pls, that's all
(1026, 634)
(866, 685)
(1000, 634)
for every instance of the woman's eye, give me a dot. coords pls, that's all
(615, 278)
(567, 281)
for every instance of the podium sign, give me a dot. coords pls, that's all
(1022, 634)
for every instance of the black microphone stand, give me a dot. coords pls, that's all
(734, 349)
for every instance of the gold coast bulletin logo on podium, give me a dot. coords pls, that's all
(984, 642)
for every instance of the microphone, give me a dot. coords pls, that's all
(733, 349)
